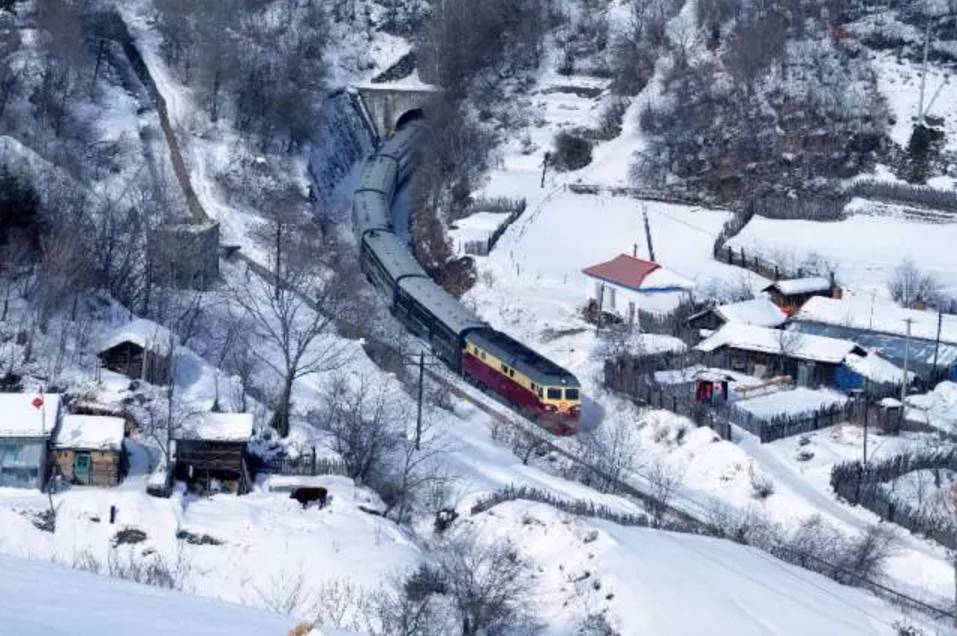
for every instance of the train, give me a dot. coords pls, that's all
(530, 383)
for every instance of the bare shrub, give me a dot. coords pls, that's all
(908, 284)
(571, 152)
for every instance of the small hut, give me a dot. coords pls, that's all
(211, 452)
(27, 423)
(142, 350)
(89, 450)
(790, 295)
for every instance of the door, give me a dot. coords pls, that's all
(82, 467)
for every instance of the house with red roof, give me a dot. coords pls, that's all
(625, 284)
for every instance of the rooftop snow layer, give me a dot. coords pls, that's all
(757, 311)
(91, 432)
(218, 427)
(801, 285)
(791, 343)
(19, 417)
(877, 369)
(143, 333)
(878, 315)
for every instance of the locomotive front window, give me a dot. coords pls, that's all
(554, 394)
(571, 394)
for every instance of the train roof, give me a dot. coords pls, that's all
(401, 143)
(445, 307)
(379, 174)
(525, 360)
(370, 210)
(393, 254)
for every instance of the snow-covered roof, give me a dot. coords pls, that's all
(757, 311)
(91, 432)
(807, 285)
(23, 414)
(775, 341)
(218, 427)
(638, 274)
(877, 369)
(144, 333)
(869, 314)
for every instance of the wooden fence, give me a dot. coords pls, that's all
(777, 427)
(306, 464)
(865, 485)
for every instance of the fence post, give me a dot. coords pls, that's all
(314, 472)
(674, 404)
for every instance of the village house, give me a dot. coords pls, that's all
(141, 350)
(757, 311)
(790, 295)
(89, 450)
(626, 285)
(882, 325)
(27, 423)
(810, 360)
(211, 451)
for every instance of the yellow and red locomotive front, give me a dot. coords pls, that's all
(533, 384)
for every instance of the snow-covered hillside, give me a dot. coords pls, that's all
(41, 599)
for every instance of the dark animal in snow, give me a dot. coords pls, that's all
(306, 496)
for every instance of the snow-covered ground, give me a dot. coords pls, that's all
(865, 249)
(650, 582)
(793, 403)
(41, 599)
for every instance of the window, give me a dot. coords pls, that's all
(482, 355)
(554, 394)
(540, 392)
(511, 373)
(571, 394)
(504, 368)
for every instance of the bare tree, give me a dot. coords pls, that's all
(790, 342)
(610, 453)
(664, 482)
(294, 320)
(489, 585)
(363, 417)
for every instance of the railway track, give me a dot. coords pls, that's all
(692, 514)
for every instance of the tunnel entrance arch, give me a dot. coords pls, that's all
(407, 116)
(390, 105)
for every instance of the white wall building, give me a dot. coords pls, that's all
(625, 285)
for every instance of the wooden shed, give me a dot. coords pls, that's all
(27, 423)
(142, 350)
(211, 452)
(89, 450)
(790, 295)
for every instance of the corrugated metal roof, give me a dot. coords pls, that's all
(379, 174)
(369, 211)
(443, 305)
(513, 353)
(623, 270)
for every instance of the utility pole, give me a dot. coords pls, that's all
(548, 156)
(866, 409)
(651, 247)
(418, 419)
(940, 321)
(904, 382)
(601, 299)
(923, 74)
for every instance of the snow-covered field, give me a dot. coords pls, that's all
(865, 249)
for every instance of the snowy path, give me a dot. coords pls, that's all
(919, 566)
